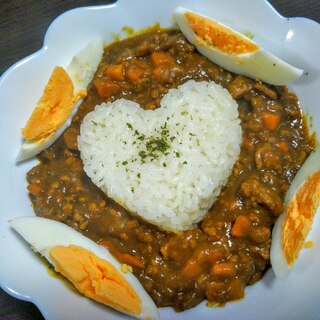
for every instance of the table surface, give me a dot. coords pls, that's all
(23, 24)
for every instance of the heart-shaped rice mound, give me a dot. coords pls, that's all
(167, 165)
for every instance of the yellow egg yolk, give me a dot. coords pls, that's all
(95, 278)
(299, 217)
(54, 106)
(214, 34)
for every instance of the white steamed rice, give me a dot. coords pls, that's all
(196, 135)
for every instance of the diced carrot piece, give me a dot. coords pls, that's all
(224, 269)
(283, 146)
(106, 88)
(134, 72)
(236, 289)
(150, 106)
(130, 260)
(116, 72)
(271, 120)
(241, 226)
(215, 256)
(122, 257)
(162, 73)
(210, 255)
(191, 269)
(158, 58)
(35, 188)
(107, 244)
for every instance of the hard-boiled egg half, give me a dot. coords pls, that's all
(87, 265)
(232, 50)
(301, 204)
(60, 101)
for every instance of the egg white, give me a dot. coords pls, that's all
(44, 234)
(84, 64)
(278, 260)
(259, 64)
(81, 71)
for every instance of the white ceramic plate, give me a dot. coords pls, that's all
(21, 275)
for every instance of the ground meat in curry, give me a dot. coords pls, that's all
(230, 247)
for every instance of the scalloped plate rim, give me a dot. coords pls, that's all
(46, 47)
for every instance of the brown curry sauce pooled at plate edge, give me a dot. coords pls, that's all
(230, 247)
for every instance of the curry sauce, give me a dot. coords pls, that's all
(230, 248)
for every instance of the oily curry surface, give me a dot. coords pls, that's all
(230, 248)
